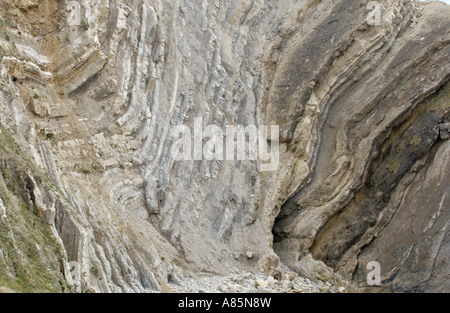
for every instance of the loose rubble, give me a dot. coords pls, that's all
(290, 282)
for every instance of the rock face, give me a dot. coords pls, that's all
(91, 92)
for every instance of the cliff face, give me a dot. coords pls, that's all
(91, 92)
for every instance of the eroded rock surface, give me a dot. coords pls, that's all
(92, 90)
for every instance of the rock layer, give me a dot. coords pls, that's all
(92, 90)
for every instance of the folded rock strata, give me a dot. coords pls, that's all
(92, 90)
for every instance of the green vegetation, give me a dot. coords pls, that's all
(31, 255)
(2, 27)
(36, 96)
(95, 271)
(8, 144)
(23, 241)
(85, 26)
(394, 166)
(28, 247)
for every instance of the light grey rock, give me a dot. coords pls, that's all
(5, 290)
(2, 210)
(262, 284)
(444, 131)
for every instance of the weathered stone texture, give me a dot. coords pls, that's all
(91, 91)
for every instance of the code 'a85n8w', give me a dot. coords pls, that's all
(246, 303)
